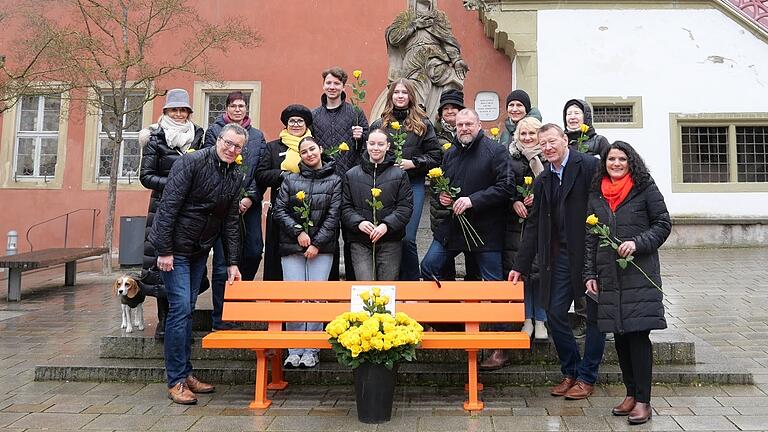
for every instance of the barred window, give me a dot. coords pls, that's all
(752, 153)
(613, 114)
(130, 152)
(216, 105)
(705, 154)
(37, 136)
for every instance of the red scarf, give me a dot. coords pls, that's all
(616, 191)
(245, 123)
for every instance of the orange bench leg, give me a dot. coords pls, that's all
(260, 399)
(277, 382)
(473, 404)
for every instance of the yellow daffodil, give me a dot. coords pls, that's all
(584, 128)
(435, 173)
(446, 146)
(239, 159)
(528, 180)
(592, 220)
(343, 147)
(375, 192)
(191, 150)
(300, 195)
(395, 125)
(495, 131)
(357, 73)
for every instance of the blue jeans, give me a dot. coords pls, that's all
(488, 262)
(561, 296)
(298, 268)
(187, 272)
(409, 264)
(533, 310)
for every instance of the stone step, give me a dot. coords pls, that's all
(667, 350)
(446, 374)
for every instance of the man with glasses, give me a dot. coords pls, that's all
(200, 203)
(555, 229)
(249, 205)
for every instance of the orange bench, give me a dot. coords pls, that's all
(470, 303)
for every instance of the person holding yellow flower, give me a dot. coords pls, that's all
(281, 158)
(307, 213)
(376, 205)
(577, 119)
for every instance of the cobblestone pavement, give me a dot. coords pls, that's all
(719, 297)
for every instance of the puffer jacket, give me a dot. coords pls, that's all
(437, 211)
(595, 143)
(628, 302)
(331, 127)
(396, 198)
(322, 188)
(508, 131)
(423, 150)
(200, 202)
(269, 175)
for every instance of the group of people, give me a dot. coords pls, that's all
(524, 193)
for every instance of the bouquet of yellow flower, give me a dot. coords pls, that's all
(398, 139)
(440, 183)
(374, 335)
(580, 146)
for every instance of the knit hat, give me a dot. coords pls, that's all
(583, 106)
(296, 110)
(453, 97)
(522, 97)
(177, 98)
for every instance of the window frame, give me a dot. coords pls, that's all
(38, 136)
(729, 120)
(102, 135)
(202, 89)
(636, 102)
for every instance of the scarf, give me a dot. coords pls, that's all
(245, 123)
(532, 155)
(616, 191)
(177, 136)
(448, 128)
(292, 157)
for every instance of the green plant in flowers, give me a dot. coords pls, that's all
(304, 211)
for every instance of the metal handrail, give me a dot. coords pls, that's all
(94, 213)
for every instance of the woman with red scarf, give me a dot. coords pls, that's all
(625, 198)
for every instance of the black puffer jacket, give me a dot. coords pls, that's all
(595, 143)
(628, 302)
(396, 198)
(437, 211)
(156, 162)
(269, 175)
(322, 189)
(200, 202)
(331, 127)
(423, 150)
(482, 171)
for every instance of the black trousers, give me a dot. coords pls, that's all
(636, 362)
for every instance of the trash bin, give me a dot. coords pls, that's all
(131, 240)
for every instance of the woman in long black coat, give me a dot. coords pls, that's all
(625, 198)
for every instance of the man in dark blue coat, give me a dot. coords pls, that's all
(556, 230)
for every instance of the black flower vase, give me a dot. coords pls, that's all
(374, 392)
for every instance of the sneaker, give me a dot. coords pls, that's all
(580, 329)
(528, 327)
(609, 337)
(541, 331)
(308, 359)
(292, 361)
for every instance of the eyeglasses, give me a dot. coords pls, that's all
(237, 106)
(230, 145)
(296, 122)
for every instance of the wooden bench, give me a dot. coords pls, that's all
(470, 303)
(41, 259)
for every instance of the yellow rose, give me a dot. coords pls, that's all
(239, 159)
(343, 147)
(375, 192)
(584, 128)
(365, 295)
(300, 195)
(495, 131)
(191, 150)
(376, 291)
(395, 125)
(446, 146)
(380, 301)
(357, 73)
(435, 173)
(528, 180)
(384, 300)
(592, 220)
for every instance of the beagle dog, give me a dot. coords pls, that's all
(131, 303)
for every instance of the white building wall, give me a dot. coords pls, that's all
(663, 56)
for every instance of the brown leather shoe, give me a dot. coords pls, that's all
(624, 407)
(641, 413)
(198, 386)
(497, 360)
(580, 390)
(562, 388)
(181, 394)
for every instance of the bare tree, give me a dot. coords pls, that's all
(119, 51)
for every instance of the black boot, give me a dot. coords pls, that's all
(162, 312)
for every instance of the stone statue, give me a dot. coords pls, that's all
(422, 48)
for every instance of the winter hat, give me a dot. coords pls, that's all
(296, 110)
(583, 106)
(522, 97)
(177, 98)
(453, 97)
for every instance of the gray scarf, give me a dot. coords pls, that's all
(531, 154)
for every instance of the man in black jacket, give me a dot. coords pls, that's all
(480, 168)
(556, 230)
(200, 202)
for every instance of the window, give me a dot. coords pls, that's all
(720, 152)
(216, 105)
(209, 100)
(617, 112)
(37, 137)
(130, 152)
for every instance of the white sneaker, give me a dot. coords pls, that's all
(308, 359)
(292, 361)
(541, 331)
(528, 327)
